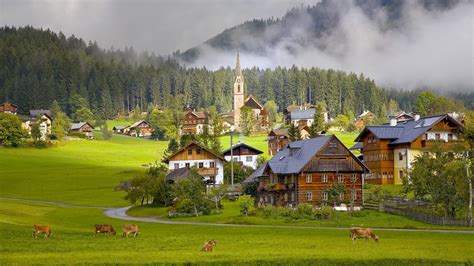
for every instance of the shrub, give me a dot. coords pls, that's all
(246, 203)
(305, 211)
(323, 213)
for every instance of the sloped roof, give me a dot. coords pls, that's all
(257, 151)
(303, 151)
(279, 132)
(76, 126)
(197, 144)
(405, 131)
(119, 127)
(40, 112)
(138, 123)
(253, 103)
(357, 146)
(303, 114)
(256, 174)
(176, 174)
(9, 103)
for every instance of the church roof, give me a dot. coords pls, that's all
(253, 103)
(238, 71)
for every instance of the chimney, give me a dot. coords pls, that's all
(417, 117)
(393, 121)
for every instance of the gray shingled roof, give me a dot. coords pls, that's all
(303, 114)
(227, 152)
(405, 131)
(138, 123)
(358, 145)
(256, 174)
(303, 151)
(34, 113)
(176, 174)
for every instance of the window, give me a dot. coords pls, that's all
(190, 152)
(309, 178)
(281, 179)
(187, 165)
(212, 165)
(176, 165)
(324, 178)
(201, 165)
(354, 194)
(309, 196)
(248, 158)
(450, 137)
(198, 150)
(340, 178)
(324, 195)
(353, 178)
(400, 174)
(437, 136)
(341, 196)
(400, 156)
(332, 144)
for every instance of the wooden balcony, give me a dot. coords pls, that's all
(428, 143)
(208, 171)
(280, 186)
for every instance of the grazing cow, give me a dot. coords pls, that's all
(104, 228)
(209, 245)
(130, 229)
(360, 232)
(41, 229)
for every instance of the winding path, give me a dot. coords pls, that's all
(121, 213)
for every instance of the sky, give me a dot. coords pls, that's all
(161, 27)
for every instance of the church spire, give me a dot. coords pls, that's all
(238, 72)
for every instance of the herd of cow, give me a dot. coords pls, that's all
(132, 229)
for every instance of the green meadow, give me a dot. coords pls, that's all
(85, 173)
(73, 242)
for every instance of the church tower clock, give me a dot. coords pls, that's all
(238, 93)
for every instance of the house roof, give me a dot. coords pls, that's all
(357, 146)
(227, 152)
(9, 103)
(197, 144)
(119, 127)
(293, 107)
(176, 174)
(40, 112)
(253, 103)
(256, 174)
(281, 132)
(138, 123)
(303, 151)
(366, 112)
(405, 131)
(303, 114)
(76, 126)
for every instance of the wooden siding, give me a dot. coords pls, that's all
(183, 155)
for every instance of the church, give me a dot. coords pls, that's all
(259, 112)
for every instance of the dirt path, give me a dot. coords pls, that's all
(121, 213)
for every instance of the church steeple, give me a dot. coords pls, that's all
(238, 72)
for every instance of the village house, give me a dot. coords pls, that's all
(279, 138)
(304, 172)
(209, 164)
(8, 107)
(244, 154)
(139, 129)
(194, 122)
(362, 119)
(84, 128)
(118, 129)
(389, 149)
(43, 117)
(301, 115)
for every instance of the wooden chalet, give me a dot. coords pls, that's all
(210, 165)
(8, 107)
(84, 128)
(43, 118)
(360, 119)
(244, 154)
(279, 138)
(119, 129)
(389, 149)
(194, 122)
(260, 113)
(139, 129)
(304, 171)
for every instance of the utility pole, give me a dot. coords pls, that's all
(231, 162)
(469, 180)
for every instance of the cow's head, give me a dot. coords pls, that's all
(113, 232)
(376, 238)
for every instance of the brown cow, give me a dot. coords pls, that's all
(41, 229)
(209, 245)
(361, 232)
(104, 228)
(130, 229)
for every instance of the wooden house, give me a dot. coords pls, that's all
(139, 129)
(279, 138)
(84, 128)
(305, 171)
(43, 118)
(8, 107)
(301, 115)
(389, 149)
(210, 165)
(119, 129)
(362, 119)
(194, 122)
(244, 154)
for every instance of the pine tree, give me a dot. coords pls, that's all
(318, 121)
(294, 133)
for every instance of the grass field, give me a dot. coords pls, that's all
(73, 242)
(85, 173)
